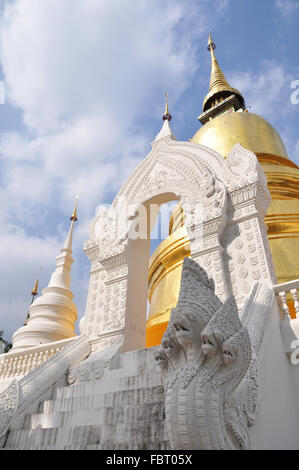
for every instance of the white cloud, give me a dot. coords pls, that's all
(83, 57)
(266, 90)
(21, 258)
(87, 76)
(82, 74)
(287, 8)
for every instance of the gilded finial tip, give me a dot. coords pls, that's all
(166, 115)
(74, 214)
(34, 290)
(211, 44)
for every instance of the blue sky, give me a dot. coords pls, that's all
(85, 85)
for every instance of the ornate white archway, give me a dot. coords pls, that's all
(204, 184)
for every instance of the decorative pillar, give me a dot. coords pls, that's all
(247, 252)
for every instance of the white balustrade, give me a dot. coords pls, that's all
(281, 291)
(18, 364)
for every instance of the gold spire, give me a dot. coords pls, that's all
(166, 116)
(166, 103)
(211, 45)
(34, 293)
(34, 290)
(218, 82)
(74, 215)
(73, 218)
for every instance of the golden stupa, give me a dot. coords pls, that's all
(226, 122)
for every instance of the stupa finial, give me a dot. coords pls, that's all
(211, 45)
(34, 291)
(166, 116)
(74, 215)
(219, 86)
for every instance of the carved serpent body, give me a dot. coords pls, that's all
(210, 372)
(198, 394)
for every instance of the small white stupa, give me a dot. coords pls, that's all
(51, 316)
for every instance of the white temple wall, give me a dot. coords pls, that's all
(276, 425)
(138, 252)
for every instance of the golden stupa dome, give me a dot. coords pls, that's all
(250, 130)
(226, 122)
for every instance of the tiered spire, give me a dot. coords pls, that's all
(52, 315)
(219, 87)
(34, 293)
(73, 218)
(61, 276)
(166, 129)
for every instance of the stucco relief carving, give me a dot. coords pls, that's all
(172, 161)
(246, 256)
(224, 190)
(242, 169)
(209, 359)
(21, 394)
(9, 399)
(170, 168)
(108, 234)
(94, 366)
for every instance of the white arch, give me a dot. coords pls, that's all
(172, 171)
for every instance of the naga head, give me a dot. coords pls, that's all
(196, 304)
(223, 324)
(226, 337)
(161, 359)
(188, 325)
(209, 343)
(236, 350)
(229, 352)
(170, 343)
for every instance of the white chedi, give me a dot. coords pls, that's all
(52, 316)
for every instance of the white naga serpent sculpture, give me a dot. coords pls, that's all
(209, 359)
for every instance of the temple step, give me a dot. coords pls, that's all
(123, 411)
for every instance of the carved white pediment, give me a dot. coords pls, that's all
(180, 161)
(217, 197)
(242, 168)
(159, 176)
(171, 167)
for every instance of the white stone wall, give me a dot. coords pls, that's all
(124, 409)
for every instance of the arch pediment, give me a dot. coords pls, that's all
(174, 167)
(231, 195)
